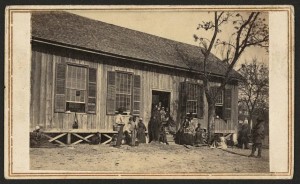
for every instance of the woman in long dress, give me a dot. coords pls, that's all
(133, 131)
(141, 128)
(198, 135)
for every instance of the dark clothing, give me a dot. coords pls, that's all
(172, 126)
(38, 140)
(155, 129)
(156, 114)
(198, 136)
(155, 124)
(35, 138)
(186, 124)
(258, 136)
(96, 139)
(187, 139)
(141, 136)
(150, 134)
(158, 131)
(168, 115)
(243, 139)
(258, 133)
(162, 134)
(184, 138)
(258, 146)
(120, 136)
(127, 137)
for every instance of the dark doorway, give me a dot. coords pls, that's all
(161, 96)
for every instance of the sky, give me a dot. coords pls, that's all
(175, 25)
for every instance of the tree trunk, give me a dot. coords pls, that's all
(250, 120)
(211, 119)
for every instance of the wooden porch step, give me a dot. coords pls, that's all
(170, 139)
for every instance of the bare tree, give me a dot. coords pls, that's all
(254, 89)
(250, 30)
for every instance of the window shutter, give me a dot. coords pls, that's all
(227, 104)
(200, 102)
(92, 90)
(136, 95)
(111, 93)
(183, 98)
(60, 85)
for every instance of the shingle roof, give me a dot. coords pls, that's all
(78, 31)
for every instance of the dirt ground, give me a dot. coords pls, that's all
(149, 158)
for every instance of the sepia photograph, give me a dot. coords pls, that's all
(148, 92)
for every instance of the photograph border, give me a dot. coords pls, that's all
(10, 10)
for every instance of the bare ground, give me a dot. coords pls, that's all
(149, 158)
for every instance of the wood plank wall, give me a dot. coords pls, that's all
(230, 126)
(43, 81)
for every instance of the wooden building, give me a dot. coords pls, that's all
(94, 68)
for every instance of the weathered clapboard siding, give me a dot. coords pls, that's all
(151, 81)
(41, 96)
(152, 78)
(230, 126)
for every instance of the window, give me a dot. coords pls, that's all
(191, 99)
(219, 100)
(219, 105)
(223, 103)
(76, 84)
(191, 104)
(123, 91)
(75, 88)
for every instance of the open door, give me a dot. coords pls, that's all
(161, 96)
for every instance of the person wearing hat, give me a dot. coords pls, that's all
(35, 137)
(258, 136)
(119, 121)
(141, 128)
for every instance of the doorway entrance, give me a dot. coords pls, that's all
(161, 96)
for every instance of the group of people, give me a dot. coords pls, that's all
(160, 123)
(189, 134)
(132, 133)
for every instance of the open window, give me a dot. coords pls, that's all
(219, 106)
(123, 92)
(223, 103)
(75, 88)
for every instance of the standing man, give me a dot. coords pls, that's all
(119, 121)
(258, 136)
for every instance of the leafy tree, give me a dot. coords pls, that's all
(249, 30)
(254, 89)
